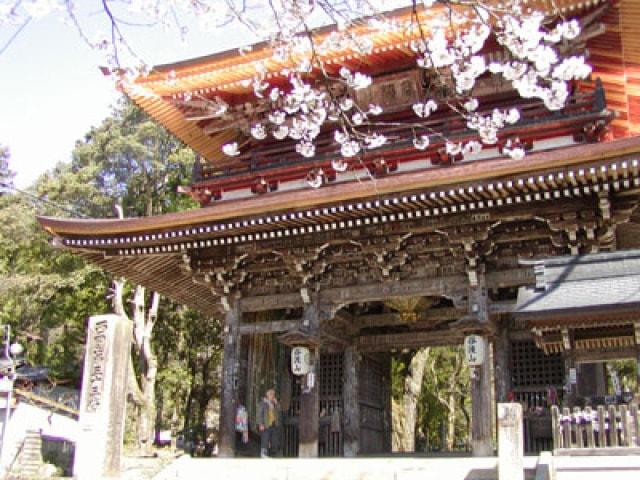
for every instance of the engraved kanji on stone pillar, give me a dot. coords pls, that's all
(103, 398)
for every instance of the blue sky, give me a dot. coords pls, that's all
(51, 91)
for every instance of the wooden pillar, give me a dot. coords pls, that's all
(387, 442)
(591, 380)
(229, 397)
(638, 381)
(309, 418)
(481, 407)
(570, 388)
(482, 410)
(351, 402)
(502, 370)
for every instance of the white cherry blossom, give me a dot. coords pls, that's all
(421, 142)
(339, 165)
(258, 131)
(231, 149)
(375, 141)
(423, 110)
(321, 96)
(306, 149)
(350, 148)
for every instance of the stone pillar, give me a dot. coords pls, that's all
(309, 419)
(351, 402)
(481, 407)
(103, 398)
(510, 442)
(228, 395)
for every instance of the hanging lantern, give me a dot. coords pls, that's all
(300, 360)
(474, 350)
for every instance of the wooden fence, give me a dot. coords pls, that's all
(604, 427)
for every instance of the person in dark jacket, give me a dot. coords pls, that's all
(268, 422)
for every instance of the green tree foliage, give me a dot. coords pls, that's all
(129, 158)
(190, 351)
(47, 293)
(444, 405)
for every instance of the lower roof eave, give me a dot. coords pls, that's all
(572, 317)
(278, 201)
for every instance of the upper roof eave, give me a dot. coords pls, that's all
(213, 73)
(278, 201)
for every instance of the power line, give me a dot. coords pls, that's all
(15, 34)
(38, 199)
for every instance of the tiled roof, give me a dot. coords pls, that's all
(586, 282)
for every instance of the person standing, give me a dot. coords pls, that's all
(268, 423)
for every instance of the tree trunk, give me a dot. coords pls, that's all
(142, 392)
(451, 422)
(405, 414)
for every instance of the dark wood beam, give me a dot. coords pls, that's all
(391, 341)
(603, 355)
(274, 326)
(271, 302)
(422, 319)
(445, 286)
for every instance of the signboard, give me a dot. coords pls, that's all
(573, 376)
(6, 385)
(474, 350)
(3, 402)
(300, 360)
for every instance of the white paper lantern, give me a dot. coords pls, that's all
(474, 350)
(300, 360)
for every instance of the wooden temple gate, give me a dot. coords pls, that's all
(536, 255)
(345, 261)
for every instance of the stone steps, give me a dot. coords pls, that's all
(30, 460)
(599, 467)
(388, 468)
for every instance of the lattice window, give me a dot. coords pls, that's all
(331, 381)
(371, 383)
(330, 378)
(530, 367)
(330, 375)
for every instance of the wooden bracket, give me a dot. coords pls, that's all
(304, 293)
(566, 339)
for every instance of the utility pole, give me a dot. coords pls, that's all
(7, 368)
